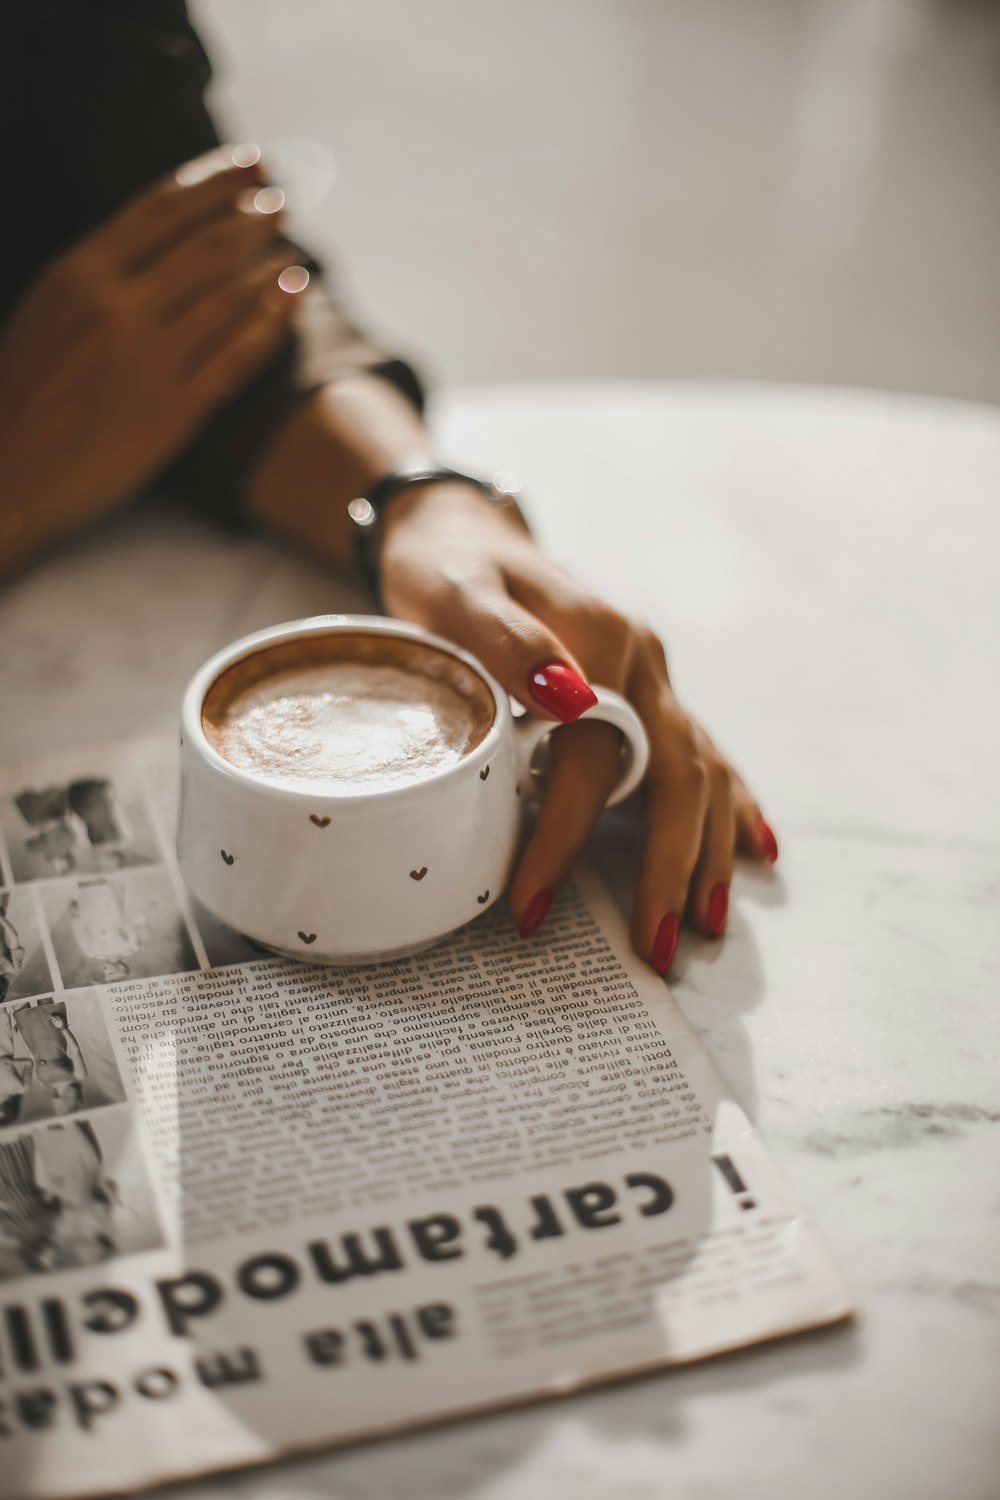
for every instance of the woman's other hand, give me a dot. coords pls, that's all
(125, 346)
(454, 563)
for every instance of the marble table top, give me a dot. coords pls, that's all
(823, 566)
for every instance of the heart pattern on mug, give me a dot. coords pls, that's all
(483, 898)
(320, 822)
(227, 857)
(484, 773)
(418, 874)
(308, 937)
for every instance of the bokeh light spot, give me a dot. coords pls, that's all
(268, 200)
(246, 155)
(361, 511)
(294, 279)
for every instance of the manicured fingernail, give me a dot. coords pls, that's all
(294, 279)
(769, 841)
(718, 906)
(665, 942)
(536, 911)
(269, 200)
(560, 691)
(246, 156)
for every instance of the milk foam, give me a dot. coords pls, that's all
(365, 724)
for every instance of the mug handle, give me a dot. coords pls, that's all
(611, 707)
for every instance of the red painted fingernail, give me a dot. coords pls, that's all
(665, 943)
(560, 691)
(769, 841)
(536, 911)
(718, 906)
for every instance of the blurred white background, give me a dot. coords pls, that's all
(802, 190)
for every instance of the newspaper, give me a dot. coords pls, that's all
(249, 1206)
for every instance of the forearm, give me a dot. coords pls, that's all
(333, 447)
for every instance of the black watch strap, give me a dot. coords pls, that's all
(367, 511)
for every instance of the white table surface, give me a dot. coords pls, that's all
(823, 566)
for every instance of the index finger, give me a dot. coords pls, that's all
(195, 191)
(586, 760)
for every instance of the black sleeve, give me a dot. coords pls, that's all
(100, 98)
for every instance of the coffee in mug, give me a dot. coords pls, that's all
(352, 787)
(360, 711)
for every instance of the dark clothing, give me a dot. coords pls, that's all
(94, 804)
(100, 98)
(46, 806)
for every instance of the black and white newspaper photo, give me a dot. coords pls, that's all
(55, 1058)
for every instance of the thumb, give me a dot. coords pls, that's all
(525, 657)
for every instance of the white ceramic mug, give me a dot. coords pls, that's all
(346, 876)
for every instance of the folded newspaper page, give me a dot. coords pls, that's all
(250, 1207)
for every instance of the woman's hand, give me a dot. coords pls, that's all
(454, 563)
(125, 346)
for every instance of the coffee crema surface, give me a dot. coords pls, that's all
(351, 710)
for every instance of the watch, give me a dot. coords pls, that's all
(367, 511)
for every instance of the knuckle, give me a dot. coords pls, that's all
(718, 776)
(687, 765)
(696, 777)
(517, 636)
(687, 747)
(118, 303)
(216, 239)
(651, 646)
(612, 627)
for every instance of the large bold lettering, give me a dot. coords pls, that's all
(359, 1261)
(114, 1310)
(546, 1225)
(184, 1298)
(268, 1276)
(155, 1384)
(21, 1337)
(592, 1205)
(325, 1346)
(36, 1409)
(58, 1331)
(436, 1320)
(435, 1237)
(216, 1370)
(500, 1238)
(92, 1399)
(663, 1193)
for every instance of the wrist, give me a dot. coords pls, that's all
(438, 502)
(426, 504)
(442, 519)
